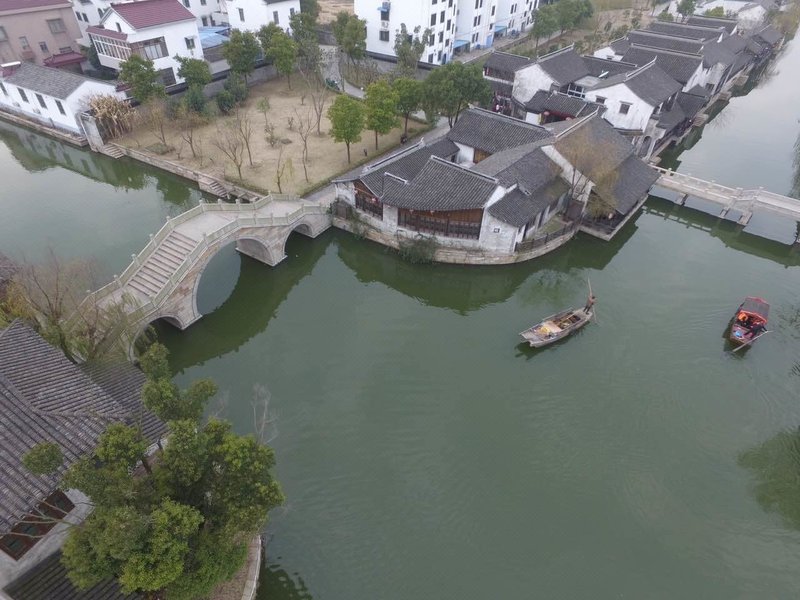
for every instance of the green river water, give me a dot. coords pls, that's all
(424, 452)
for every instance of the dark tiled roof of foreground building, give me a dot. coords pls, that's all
(491, 132)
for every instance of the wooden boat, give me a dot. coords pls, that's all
(556, 327)
(750, 320)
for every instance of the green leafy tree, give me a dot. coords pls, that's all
(265, 34)
(194, 99)
(311, 8)
(686, 8)
(454, 86)
(241, 52)
(282, 51)
(347, 121)
(380, 105)
(409, 97)
(194, 70)
(43, 459)
(715, 12)
(568, 13)
(545, 25)
(142, 77)
(176, 531)
(304, 34)
(665, 15)
(351, 36)
(408, 47)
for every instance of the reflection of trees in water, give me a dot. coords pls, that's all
(276, 584)
(795, 191)
(776, 466)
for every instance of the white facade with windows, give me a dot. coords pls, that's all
(116, 40)
(51, 96)
(252, 15)
(384, 19)
(475, 23)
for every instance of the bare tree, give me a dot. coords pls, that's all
(188, 122)
(230, 143)
(283, 170)
(265, 425)
(318, 90)
(153, 116)
(245, 130)
(114, 116)
(305, 124)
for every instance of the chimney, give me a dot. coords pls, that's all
(8, 69)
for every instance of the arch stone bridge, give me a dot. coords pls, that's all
(730, 199)
(162, 280)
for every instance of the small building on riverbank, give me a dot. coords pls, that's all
(53, 97)
(496, 189)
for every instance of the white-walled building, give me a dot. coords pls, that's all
(53, 97)
(475, 23)
(513, 16)
(252, 15)
(154, 29)
(384, 19)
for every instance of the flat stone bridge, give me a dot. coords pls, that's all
(162, 280)
(730, 199)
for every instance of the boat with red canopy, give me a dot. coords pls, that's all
(750, 320)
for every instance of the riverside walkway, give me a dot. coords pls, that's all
(730, 199)
(161, 281)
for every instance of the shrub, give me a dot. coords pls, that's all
(420, 250)
(237, 87)
(195, 99)
(225, 101)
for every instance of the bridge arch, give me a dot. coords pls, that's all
(303, 227)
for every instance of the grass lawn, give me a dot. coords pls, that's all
(326, 157)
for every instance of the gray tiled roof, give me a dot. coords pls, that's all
(561, 104)
(506, 63)
(565, 66)
(727, 24)
(48, 581)
(672, 117)
(734, 43)
(689, 31)
(518, 208)
(655, 39)
(51, 82)
(441, 185)
(620, 46)
(46, 398)
(715, 53)
(407, 164)
(492, 132)
(769, 34)
(678, 65)
(650, 83)
(526, 166)
(629, 185)
(691, 104)
(606, 67)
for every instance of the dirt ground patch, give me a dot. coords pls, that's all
(326, 157)
(329, 8)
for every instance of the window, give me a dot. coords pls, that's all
(275, 18)
(85, 17)
(433, 19)
(447, 27)
(494, 8)
(430, 57)
(189, 43)
(60, 107)
(22, 94)
(100, 12)
(431, 39)
(600, 100)
(23, 41)
(42, 103)
(624, 107)
(384, 14)
(205, 21)
(241, 14)
(56, 506)
(441, 36)
(119, 27)
(383, 36)
(291, 12)
(441, 17)
(3, 89)
(56, 25)
(153, 49)
(3, 35)
(43, 46)
(78, 16)
(203, 2)
(186, 3)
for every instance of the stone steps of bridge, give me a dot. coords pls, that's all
(184, 241)
(148, 273)
(162, 266)
(142, 287)
(174, 256)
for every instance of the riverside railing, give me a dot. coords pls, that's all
(538, 242)
(242, 219)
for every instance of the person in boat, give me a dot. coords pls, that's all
(743, 319)
(589, 303)
(757, 329)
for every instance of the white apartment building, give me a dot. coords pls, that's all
(513, 16)
(475, 24)
(251, 15)
(154, 29)
(384, 19)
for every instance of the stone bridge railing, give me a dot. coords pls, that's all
(244, 215)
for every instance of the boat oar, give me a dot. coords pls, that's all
(752, 340)
(594, 306)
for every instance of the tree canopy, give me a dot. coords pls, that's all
(347, 121)
(195, 71)
(310, 7)
(241, 52)
(181, 526)
(408, 47)
(409, 97)
(546, 23)
(140, 74)
(43, 458)
(719, 11)
(282, 50)
(452, 87)
(380, 105)
(351, 35)
(686, 8)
